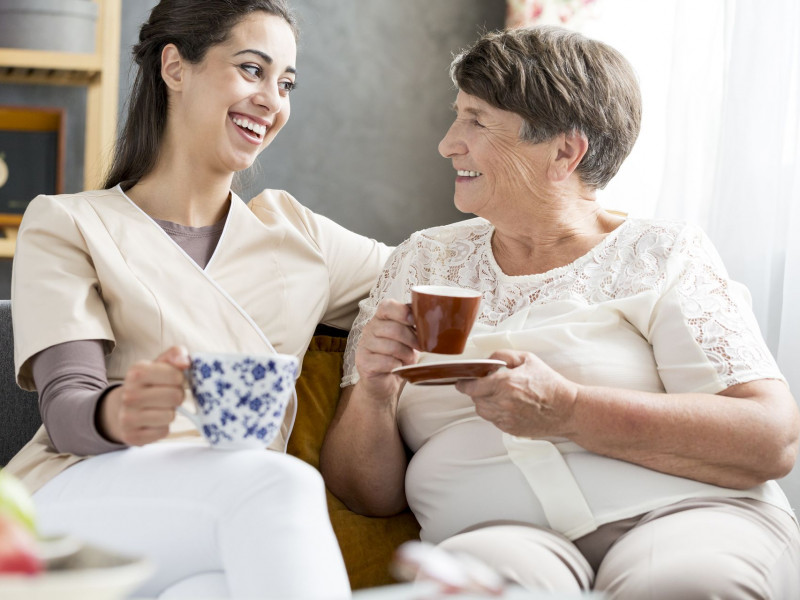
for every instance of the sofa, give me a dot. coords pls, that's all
(367, 543)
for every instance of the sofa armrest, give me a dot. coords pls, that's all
(19, 410)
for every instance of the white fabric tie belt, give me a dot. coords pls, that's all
(551, 480)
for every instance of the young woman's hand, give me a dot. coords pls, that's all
(140, 410)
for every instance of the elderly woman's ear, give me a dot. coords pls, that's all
(569, 149)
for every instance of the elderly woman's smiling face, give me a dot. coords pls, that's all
(496, 169)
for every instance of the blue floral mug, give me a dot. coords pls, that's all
(240, 399)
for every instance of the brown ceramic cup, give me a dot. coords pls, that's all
(444, 316)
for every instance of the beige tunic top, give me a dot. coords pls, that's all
(95, 266)
(649, 308)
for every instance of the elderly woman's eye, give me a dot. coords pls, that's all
(477, 123)
(251, 69)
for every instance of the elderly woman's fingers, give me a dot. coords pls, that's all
(392, 322)
(493, 383)
(388, 341)
(529, 398)
(391, 331)
(392, 310)
(512, 358)
(396, 352)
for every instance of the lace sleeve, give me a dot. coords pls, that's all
(398, 275)
(705, 336)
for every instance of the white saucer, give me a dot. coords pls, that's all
(449, 371)
(88, 574)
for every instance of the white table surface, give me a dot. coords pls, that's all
(429, 591)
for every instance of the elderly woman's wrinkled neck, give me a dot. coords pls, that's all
(551, 237)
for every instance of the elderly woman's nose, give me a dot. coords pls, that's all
(449, 145)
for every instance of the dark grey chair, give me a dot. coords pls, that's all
(19, 410)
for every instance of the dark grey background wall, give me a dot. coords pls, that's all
(372, 103)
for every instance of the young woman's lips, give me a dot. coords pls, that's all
(249, 130)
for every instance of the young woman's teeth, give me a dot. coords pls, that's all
(469, 173)
(254, 127)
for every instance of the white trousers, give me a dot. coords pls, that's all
(704, 549)
(243, 524)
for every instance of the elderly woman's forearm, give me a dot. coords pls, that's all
(363, 459)
(738, 439)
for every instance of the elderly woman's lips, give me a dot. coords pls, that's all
(467, 176)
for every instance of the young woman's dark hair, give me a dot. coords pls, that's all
(193, 26)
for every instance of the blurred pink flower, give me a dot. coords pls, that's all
(520, 13)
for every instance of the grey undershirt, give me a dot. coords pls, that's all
(71, 377)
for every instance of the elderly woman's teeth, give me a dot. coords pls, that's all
(254, 127)
(469, 173)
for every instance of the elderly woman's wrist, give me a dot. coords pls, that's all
(377, 393)
(571, 395)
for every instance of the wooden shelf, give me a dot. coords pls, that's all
(98, 72)
(48, 61)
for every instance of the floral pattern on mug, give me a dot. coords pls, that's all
(241, 399)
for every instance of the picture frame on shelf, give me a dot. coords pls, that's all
(31, 158)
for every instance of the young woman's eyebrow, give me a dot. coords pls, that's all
(265, 57)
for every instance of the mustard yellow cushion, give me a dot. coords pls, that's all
(367, 543)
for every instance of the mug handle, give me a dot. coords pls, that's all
(187, 413)
(191, 416)
(410, 307)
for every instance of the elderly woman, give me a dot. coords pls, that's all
(632, 441)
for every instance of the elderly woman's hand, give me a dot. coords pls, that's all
(388, 341)
(529, 399)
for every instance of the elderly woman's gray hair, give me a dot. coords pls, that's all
(558, 81)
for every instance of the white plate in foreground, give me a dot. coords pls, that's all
(88, 574)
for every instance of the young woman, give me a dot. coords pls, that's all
(112, 288)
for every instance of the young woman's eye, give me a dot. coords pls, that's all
(287, 86)
(251, 69)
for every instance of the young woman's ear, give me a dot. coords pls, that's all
(570, 150)
(172, 67)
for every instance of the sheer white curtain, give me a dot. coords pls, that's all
(720, 142)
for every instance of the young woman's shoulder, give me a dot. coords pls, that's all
(279, 206)
(272, 200)
(56, 206)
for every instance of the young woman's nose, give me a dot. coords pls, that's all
(269, 97)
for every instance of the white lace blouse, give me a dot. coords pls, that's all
(651, 308)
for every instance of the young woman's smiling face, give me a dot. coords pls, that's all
(232, 104)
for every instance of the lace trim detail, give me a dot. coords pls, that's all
(716, 317)
(639, 256)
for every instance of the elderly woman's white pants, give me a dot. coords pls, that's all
(241, 524)
(723, 549)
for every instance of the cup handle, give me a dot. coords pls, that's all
(187, 413)
(191, 416)
(411, 308)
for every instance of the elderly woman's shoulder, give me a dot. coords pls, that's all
(661, 227)
(469, 229)
(661, 235)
